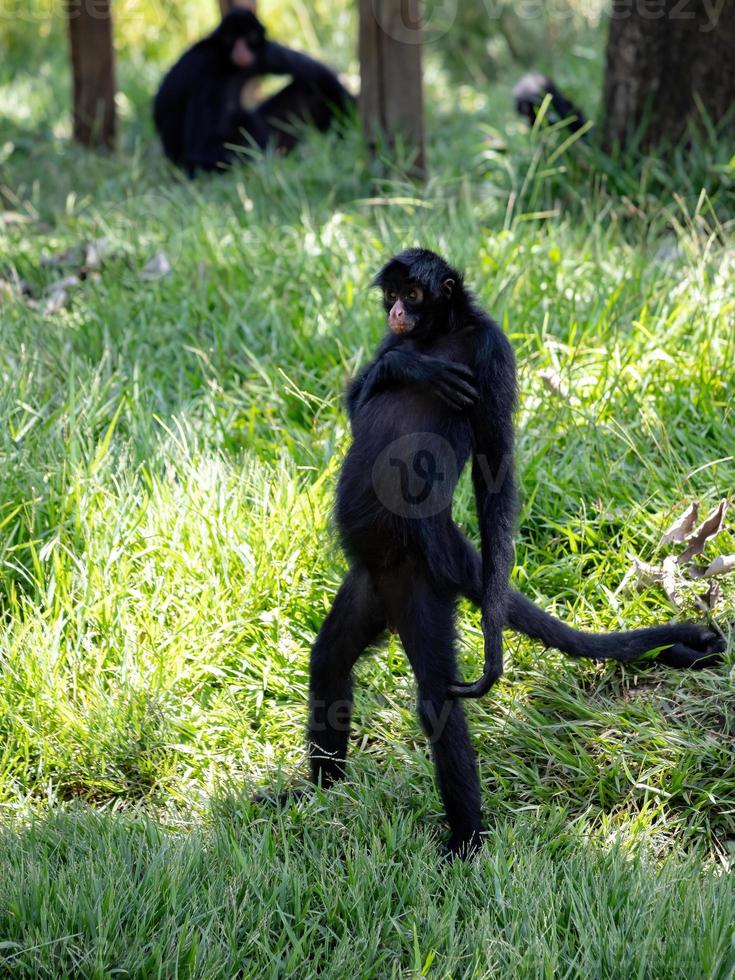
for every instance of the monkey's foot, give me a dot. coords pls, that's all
(292, 795)
(463, 847)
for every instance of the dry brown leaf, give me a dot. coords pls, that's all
(646, 574)
(15, 218)
(708, 601)
(157, 267)
(552, 382)
(93, 256)
(58, 296)
(722, 565)
(670, 580)
(14, 288)
(712, 596)
(709, 528)
(74, 255)
(682, 528)
(56, 300)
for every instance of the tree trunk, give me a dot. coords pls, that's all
(93, 71)
(665, 58)
(391, 90)
(225, 6)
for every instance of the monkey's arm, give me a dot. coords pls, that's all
(495, 494)
(277, 59)
(450, 381)
(356, 388)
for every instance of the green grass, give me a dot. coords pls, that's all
(168, 451)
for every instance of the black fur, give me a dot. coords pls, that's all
(430, 401)
(530, 93)
(197, 108)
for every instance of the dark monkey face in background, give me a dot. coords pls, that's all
(242, 38)
(418, 293)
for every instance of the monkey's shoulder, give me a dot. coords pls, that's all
(476, 341)
(491, 342)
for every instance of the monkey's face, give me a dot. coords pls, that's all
(419, 292)
(404, 304)
(242, 37)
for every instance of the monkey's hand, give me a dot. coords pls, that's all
(450, 381)
(454, 384)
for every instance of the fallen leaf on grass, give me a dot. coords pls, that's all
(58, 296)
(676, 574)
(646, 574)
(709, 528)
(94, 253)
(552, 382)
(670, 579)
(156, 267)
(15, 218)
(722, 565)
(708, 601)
(57, 300)
(86, 257)
(74, 255)
(712, 596)
(681, 529)
(14, 288)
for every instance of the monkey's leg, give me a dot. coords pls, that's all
(301, 103)
(687, 644)
(424, 618)
(355, 621)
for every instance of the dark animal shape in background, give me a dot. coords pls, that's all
(440, 391)
(530, 93)
(197, 109)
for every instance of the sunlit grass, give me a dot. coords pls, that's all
(168, 451)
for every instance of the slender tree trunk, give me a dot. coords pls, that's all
(391, 90)
(226, 6)
(93, 71)
(665, 58)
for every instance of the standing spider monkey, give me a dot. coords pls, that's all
(440, 391)
(197, 109)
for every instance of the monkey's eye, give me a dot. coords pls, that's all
(412, 296)
(391, 294)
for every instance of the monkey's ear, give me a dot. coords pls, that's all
(447, 287)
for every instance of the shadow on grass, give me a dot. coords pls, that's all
(340, 888)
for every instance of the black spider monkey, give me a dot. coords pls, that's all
(197, 108)
(440, 391)
(530, 93)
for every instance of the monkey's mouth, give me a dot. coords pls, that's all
(401, 327)
(242, 56)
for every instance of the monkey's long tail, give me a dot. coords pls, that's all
(685, 644)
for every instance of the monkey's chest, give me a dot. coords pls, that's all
(401, 470)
